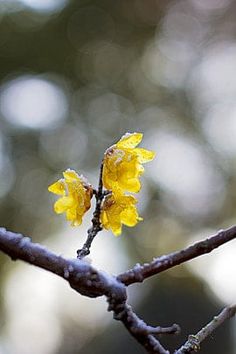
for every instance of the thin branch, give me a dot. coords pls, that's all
(140, 272)
(174, 329)
(96, 224)
(138, 328)
(194, 341)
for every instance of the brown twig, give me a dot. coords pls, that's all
(194, 341)
(96, 224)
(140, 272)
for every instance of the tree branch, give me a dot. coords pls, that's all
(91, 282)
(81, 275)
(194, 341)
(138, 328)
(140, 272)
(87, 281)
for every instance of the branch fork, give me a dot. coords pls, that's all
(91, 282)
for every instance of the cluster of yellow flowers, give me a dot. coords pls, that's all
(121, 171)
(122, 167)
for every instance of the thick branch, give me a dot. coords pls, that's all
(160, 264)
(88, 281)
(81, 275)
(193, 343)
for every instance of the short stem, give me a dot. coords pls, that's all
(96, 224)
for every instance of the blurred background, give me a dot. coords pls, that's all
(74, 77)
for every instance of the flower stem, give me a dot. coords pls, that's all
(96, 224)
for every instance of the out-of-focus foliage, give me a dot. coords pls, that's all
(74, 77)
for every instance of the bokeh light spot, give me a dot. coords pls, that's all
(214, 79)
(186, 173)
(45, 5)
(220, 267)
(210, 5)
(219, 126)
(33, 102)
(6, 170)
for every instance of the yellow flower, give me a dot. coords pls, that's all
(76, 195)
(123, 164)
(119, 209)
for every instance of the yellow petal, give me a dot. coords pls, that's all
(132, 185)
(114, 221)
(117, 191)
(72, 215)
(87, 202)
(115, 224)
(76, 222)
(57, 187)
(104, 220)
(129, 169)
(129, 141)
(130, 200)
(106, 180)
(144, 155)
(116, 230)
(70, 175)
(140, 169)
(129, 217)
(62, 204)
